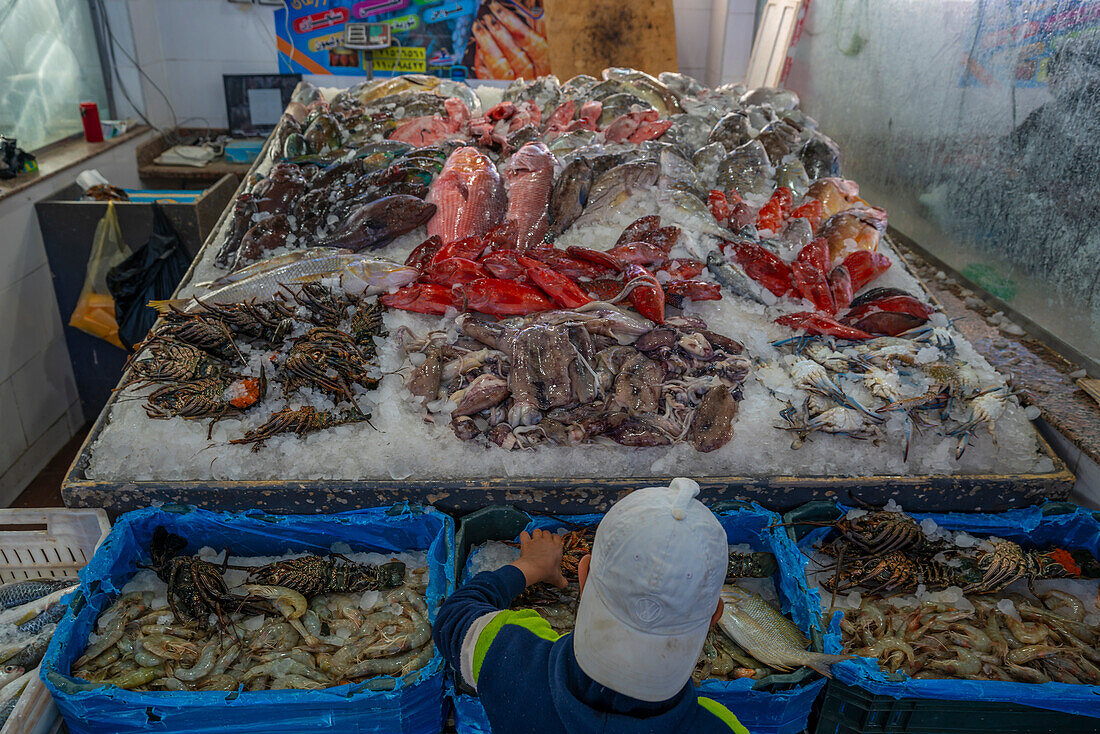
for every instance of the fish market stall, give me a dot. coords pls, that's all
(683, 282)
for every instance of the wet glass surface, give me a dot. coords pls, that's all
(49, 64)
(976, 124)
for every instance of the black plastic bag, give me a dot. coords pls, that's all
(150, 274)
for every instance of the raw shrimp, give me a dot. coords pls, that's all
(392, 665)
(532, 43)
(204, 665)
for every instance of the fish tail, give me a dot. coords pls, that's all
(167, 306)
(823, 662)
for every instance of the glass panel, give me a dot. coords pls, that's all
(976, 124)
(49, 64)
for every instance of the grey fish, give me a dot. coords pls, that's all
(8, 673)
(6, 710)
(733, 90)
(21, 592)
(680, 174)
(14, 689)
(781, 100)
(731, 131)
(732, 277)
(462, 90)
(745, 169)
(617, 185)
(706, 160)
(545, 91)
(821, 157)
(569, 142)
(33, 650)
(648, 87)
(767, 635)
(51, 615)
(620, 104)
(692, 213)
(680, 84)
(793, 175)
(570, 195)
(688, 133)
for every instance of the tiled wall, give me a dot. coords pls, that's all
(39, 409)
(185, 47)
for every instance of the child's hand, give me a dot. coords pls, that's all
(540, 558)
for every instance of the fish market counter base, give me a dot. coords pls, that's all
(413, 707)
(985, 493)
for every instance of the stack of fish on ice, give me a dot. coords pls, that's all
(629, 261)
(29, 612)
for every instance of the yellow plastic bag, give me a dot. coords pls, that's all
(95, 311)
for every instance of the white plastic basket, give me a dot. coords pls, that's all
(41, 542)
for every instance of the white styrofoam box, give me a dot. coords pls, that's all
(44, 389)
(51, 542)
(30, 320)
(13, 442)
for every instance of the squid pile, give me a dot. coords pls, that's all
(576, 376)
(304, 622)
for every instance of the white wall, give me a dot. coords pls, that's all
(39, 407)
(185, 47)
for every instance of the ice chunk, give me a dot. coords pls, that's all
(1078, 374)
(927, 355)
(1032, 412)
(854, 514)
(853, 600)
(1007, 608)
(369, 600)
(253, 623)
(892, 506)
(928, 527)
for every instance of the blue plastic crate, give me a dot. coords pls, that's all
(779, 704)
(1059, 524)
(415, 707)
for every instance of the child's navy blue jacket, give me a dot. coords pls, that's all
(528, 678)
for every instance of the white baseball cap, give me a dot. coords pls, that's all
(658, 563)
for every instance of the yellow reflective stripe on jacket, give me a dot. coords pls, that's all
(722, 713)
(528, 619)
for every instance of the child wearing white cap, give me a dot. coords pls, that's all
(649, 593)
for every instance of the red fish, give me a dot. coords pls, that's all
(530, 178)
(468, 195)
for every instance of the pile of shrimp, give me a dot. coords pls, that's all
(1029, 640)
(329, 640)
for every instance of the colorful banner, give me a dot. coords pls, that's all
(496, 39)
(1013, 41)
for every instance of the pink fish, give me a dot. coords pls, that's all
(530, 177)
(588, 116)
(624, 127)
(431, 129)
(468, 195)
(560, 118)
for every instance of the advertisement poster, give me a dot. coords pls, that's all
(1013, 41)
(497, 39)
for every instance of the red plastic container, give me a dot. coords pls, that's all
(89, 115)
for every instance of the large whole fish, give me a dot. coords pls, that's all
(767, 635)
(615, 186)
(358, 274)
(28, 652)
(570, 194)
(468, 195)
(51, 615)
(28, 611)
(21, 592)
(379, 222)
(530, 179)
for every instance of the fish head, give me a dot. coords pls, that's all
(373, 275)
(400, 211)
